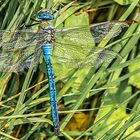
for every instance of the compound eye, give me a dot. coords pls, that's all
(45, 15)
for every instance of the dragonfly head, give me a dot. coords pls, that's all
(45, 15)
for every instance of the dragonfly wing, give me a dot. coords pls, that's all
(99, 31)
(67, 53)
(88, 35)
(81, 57)
(30, 60)
(15, 53)
(12, 40)
(18, 60)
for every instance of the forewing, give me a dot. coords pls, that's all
(19, 48)
(14, 40)
(88, 35)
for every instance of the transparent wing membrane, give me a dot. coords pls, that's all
(88, 35)
(81, 58)
(19, 48)
(74, 47)
(17, 62)
(11, 40)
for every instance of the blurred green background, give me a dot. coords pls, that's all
(97, 104)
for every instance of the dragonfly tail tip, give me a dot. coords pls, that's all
(57, 131)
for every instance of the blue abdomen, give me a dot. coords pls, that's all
(47, 50)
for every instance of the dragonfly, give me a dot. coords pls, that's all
(73, 46)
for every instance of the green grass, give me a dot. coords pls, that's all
(93, 103)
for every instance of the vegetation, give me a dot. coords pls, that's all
(94, 103)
